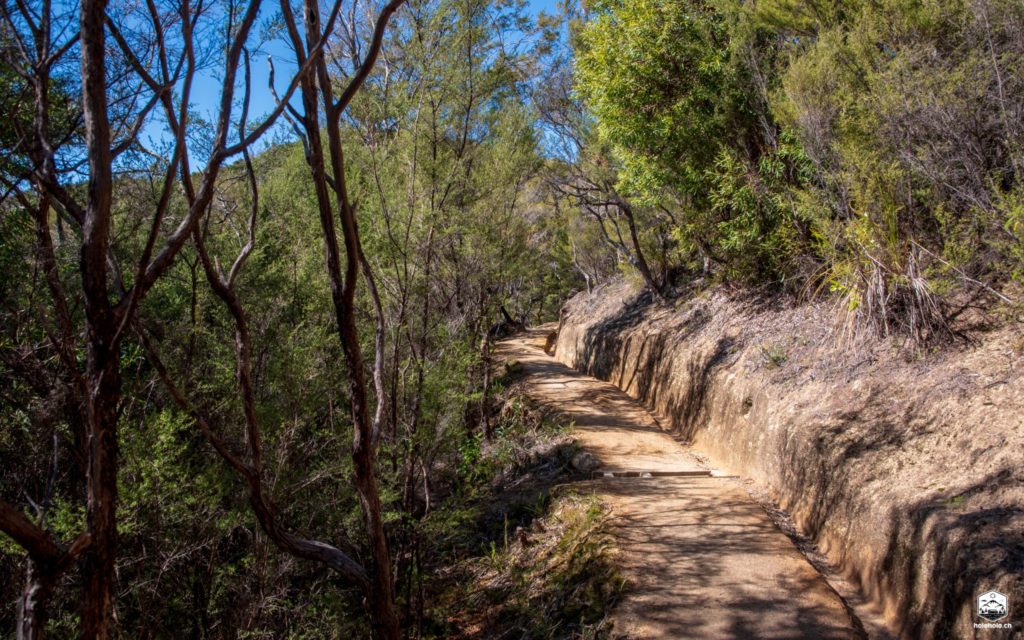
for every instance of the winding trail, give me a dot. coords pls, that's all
(701, 558)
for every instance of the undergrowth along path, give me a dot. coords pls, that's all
(701, 558)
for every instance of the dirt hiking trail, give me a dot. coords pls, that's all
(702, 559)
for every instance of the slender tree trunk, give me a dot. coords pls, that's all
(34, 602)
(380, 590)
(103, 378)
(641, 262)
(380, 593)
(101, 492)
(485, 399)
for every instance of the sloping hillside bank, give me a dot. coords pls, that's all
(908, 471)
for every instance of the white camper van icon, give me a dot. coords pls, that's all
(992, 606)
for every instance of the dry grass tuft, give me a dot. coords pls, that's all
(555, 579)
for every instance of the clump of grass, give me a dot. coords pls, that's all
(774, 356)
(513, 369)
(1018, 346)
(553, 580)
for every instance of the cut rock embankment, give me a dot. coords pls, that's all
(907, 472)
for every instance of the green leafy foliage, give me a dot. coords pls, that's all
(674, 96)
(865, 148)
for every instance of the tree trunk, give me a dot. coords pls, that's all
(641, 262)
(101, 492)
(103, 380)
(380, 594)
(33, 603)
(485, 359)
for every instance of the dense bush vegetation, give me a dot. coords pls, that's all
(871, 149)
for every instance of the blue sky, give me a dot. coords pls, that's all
(207, 85)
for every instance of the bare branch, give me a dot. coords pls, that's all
(37, 542)
(371, 57)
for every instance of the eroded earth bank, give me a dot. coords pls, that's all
(904, 467)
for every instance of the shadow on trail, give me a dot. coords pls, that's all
(708, 545)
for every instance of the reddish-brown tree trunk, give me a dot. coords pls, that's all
(103, 380)
(380, 595)
(101, 491)
(380, 591)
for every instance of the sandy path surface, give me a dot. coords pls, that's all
(609, 424)
(702, 559)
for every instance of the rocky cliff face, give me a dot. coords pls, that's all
(906, 469)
